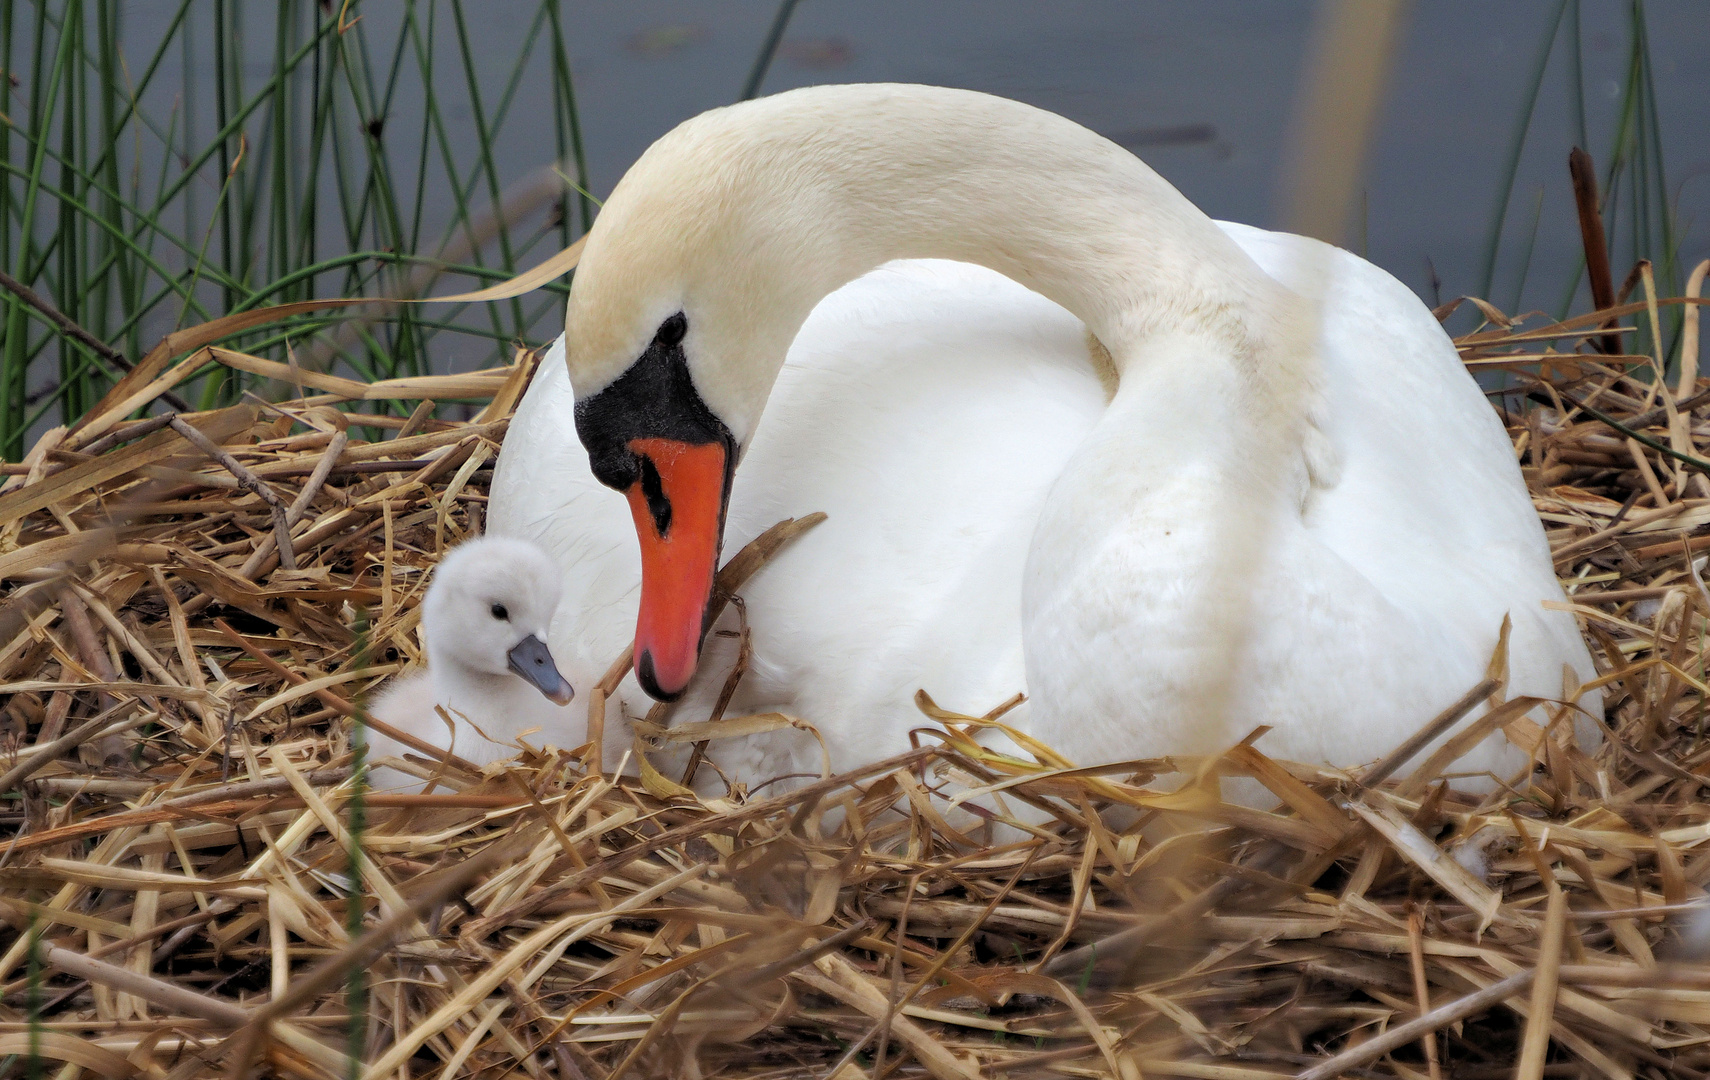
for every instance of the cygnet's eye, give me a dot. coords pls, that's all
(499, 612)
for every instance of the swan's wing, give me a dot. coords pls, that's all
(927, 408)
(1430, 506)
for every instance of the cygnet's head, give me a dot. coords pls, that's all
(488, 609)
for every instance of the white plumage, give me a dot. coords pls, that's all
(1296, 510)
(485, 621)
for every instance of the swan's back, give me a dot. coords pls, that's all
(1430, 506)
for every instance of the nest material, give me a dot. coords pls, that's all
(182, 644)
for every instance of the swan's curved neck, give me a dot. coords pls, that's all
(751, 215)
(1060, 210)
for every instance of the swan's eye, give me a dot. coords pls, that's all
(671, 331)
(499, 612)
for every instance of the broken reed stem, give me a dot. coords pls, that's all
(808, 955)
(250, 482)
(731, 576)
(744, 656)
(1660, 413)
(1584, 176)
(1422, 991)
(1448, 718)
(53, 722)
(125, 433)
(248, 789)
(595, 757)
(1626, 524)
(1435, 1020)
(76, 614)
(1542, 1013)
(72, 330)
(167, 995)
(93, 730)
(294, 513)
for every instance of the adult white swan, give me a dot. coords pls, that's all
(1296, 509)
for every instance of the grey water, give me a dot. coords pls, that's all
(1209, 88)
(1203, 90)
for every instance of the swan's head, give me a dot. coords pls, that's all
(694, 281)
(488, 609)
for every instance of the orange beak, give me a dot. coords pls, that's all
(678, 505)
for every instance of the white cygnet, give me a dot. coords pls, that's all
(485, 620)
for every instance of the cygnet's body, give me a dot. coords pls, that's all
(485, 620)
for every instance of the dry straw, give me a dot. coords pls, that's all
(181, 645)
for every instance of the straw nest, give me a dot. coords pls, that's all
(193, 604)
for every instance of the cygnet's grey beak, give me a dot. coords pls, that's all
(531, 659)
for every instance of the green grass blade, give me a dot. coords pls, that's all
(1505, 188)
(768, 49)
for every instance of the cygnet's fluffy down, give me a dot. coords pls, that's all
(485, 620)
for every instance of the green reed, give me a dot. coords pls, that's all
(1639, 215)
(157, 180)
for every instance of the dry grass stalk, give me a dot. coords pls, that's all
(536, 919)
